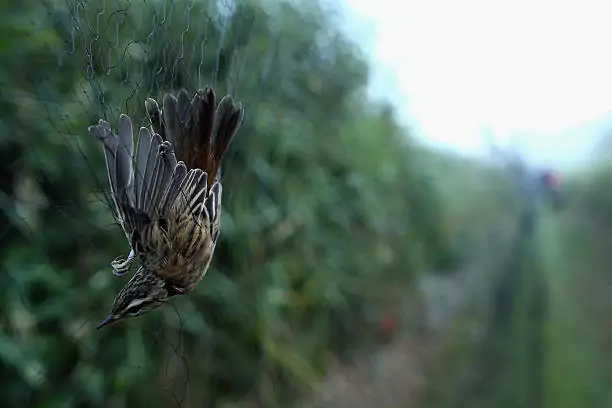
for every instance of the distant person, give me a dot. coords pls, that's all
(551, 185)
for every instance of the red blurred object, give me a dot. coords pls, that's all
(388, 326)
(551, 184)
(551, 179)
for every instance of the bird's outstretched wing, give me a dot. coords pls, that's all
(139, 187)
(199, 129)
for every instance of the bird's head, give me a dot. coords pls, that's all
(144, 292)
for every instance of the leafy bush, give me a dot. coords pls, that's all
(326, 209)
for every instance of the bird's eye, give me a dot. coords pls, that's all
(132, 312)
(137, 307)
(135, 310)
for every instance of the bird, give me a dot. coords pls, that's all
(167, 194)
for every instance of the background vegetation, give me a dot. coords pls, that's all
(333, 218)
(328, 218)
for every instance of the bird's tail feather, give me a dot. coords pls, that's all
(199, 130)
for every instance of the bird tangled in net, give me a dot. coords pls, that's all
(167, 192)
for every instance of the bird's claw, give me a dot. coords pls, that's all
(122, 266)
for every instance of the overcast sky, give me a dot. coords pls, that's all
(533, 73)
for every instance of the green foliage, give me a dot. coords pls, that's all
(477, 197)
(326, 208)
(589, 193)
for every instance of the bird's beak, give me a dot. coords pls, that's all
(109, 319)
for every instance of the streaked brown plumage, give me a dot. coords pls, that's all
(169, 201)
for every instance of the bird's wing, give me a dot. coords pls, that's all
(212, 207)
(192, 214)
(118, 152)
(139, 190)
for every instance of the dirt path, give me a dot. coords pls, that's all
(392, 377)
(397, 375)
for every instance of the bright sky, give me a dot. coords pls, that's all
(533, 73)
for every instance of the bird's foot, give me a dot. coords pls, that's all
(122, 266)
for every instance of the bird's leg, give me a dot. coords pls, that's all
(122, 266)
